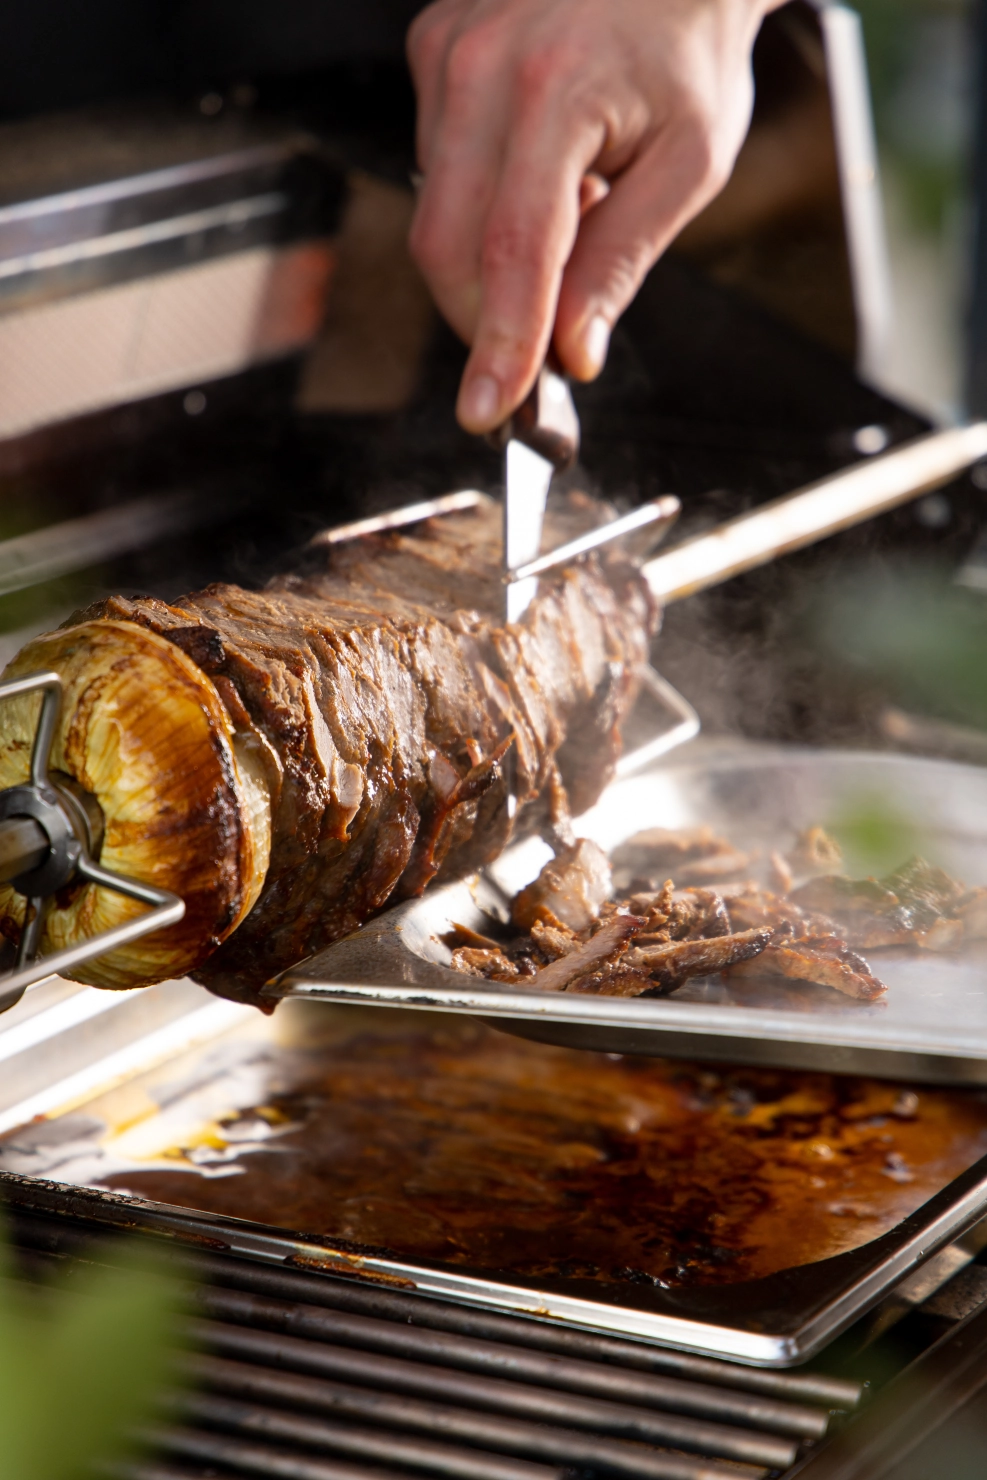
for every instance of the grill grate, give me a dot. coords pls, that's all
(309, 1377)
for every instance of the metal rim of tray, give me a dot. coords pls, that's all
(379, 965)
(794, 1299)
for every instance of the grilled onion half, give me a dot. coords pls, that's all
(185, 803)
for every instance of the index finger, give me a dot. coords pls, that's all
(527, 239)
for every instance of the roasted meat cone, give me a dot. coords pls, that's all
(184, 805)
(289, 760)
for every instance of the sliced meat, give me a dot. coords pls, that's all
(825, 960)
(870, 913)
(484, 961)
(667, 967)
(972, 911)
(914, 906)
(729, 863)
(606, 945)
(554, 941)
(661, 850)
(815, 852)
(926, 891)
(572, 888)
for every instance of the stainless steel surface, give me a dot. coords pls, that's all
(822, 508)
(42, 799)
(860, 185)
(232, 216)
(75, 544)
(660, 510)
(23, 846)
(446, 503)
(931, 1027)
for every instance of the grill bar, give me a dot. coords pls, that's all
(253, 1459)
(308, 1376)
(421, 1311)
(522, 1438)
(265, 1460)
(501, 1361)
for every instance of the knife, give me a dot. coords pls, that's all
(540, 439)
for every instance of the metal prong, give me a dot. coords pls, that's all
(166, 908)
(44, 735)
(27, 948)
(665, 509)
(446, 503)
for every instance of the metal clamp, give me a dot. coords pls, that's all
(49, 844)
(686, 726)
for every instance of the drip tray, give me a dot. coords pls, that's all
(739, 1212)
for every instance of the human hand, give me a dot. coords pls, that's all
(564, 144)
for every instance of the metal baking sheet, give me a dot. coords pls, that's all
(170, 1117)
(931, 1027)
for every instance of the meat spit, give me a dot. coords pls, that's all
(203, 790)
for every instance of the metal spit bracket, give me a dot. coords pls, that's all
(540, 439)
(46, 843)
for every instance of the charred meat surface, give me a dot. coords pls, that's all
(384, 712)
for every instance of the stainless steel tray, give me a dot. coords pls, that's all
(159, 1101)
(932, 1026)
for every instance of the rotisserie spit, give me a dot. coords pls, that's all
(286, 761)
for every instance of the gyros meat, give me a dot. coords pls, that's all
(664, 936)
(288, 760)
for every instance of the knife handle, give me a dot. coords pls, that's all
(546, 421)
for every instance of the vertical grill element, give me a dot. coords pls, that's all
(309, 1377)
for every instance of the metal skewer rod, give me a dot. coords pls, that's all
(823, 508)
(665, 509)
(23, 847)
(446, 503)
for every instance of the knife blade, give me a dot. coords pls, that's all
(541, 438)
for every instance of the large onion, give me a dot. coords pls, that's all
(184, 802)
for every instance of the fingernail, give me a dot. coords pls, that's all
(596, 342)
(479, 403)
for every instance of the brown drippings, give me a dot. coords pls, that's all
(472, 1148)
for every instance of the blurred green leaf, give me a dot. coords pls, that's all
(919, 638)
(874, 835)
(81, 1361)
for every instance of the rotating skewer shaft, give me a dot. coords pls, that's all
(23, 847)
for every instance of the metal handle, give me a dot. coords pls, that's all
(67, 857)
(686, 726)
(546, 421)
(822, 508)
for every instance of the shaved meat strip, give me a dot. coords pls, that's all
(669, 966)
(826, 960)
(571, 888)
(608, 942)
